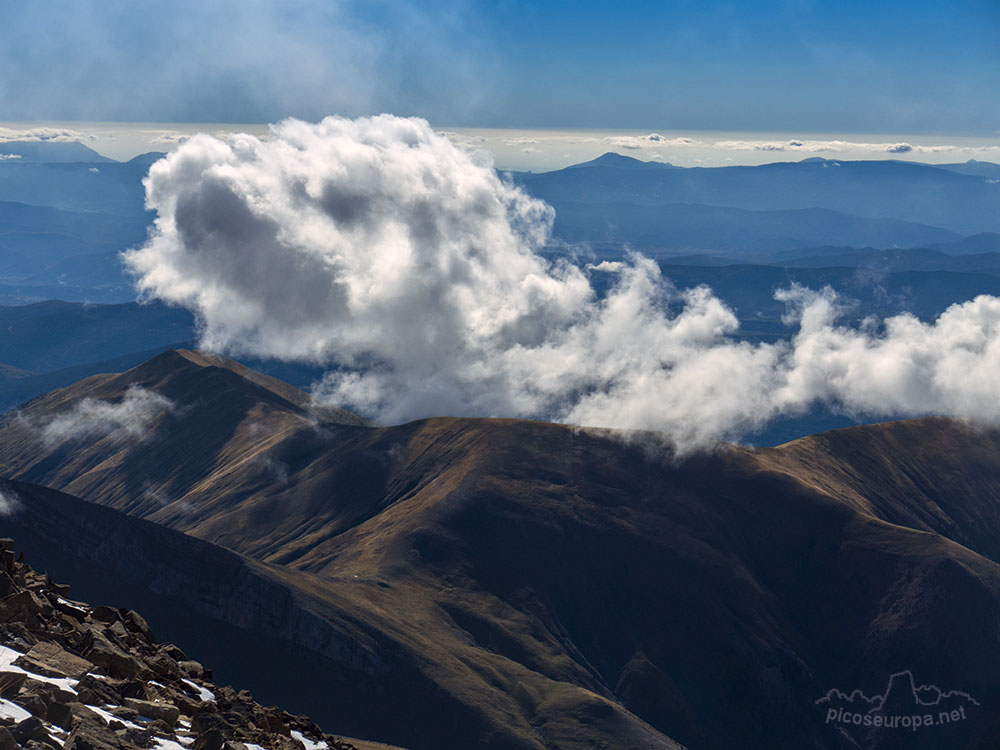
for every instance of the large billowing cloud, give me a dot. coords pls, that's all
(409, 267)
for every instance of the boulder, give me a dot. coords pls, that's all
(31, 728)
(10, 683)
(25, 605)
(105, 614)
(7, 741)
(192, 668)
(210, 740)
(60, 715)
(51, 660)
(112, 659)
(97, 692)
(166, 712)
(137, 624)
(33, 704)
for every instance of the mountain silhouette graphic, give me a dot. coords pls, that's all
(902, 695)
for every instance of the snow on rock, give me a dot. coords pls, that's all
(308, 743)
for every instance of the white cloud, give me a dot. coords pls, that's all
(382, 248)
(10, 503)
(128, 419)
(649, 141)
(41, 134)
(169, 139)
(606, 266)
(841, 146)
(4, 157)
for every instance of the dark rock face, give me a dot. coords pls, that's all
(76, 677)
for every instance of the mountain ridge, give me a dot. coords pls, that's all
(562, 584)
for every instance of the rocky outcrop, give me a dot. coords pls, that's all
(78, 677)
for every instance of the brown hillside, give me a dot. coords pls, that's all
(565, 588)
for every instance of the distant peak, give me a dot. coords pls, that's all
(619, 161)
(171, 363)
(147, 158)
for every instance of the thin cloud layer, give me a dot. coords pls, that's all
(405, 264)
(128, 419)
(10, 503)
(42, 134)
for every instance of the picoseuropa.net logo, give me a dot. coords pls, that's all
(903, 705)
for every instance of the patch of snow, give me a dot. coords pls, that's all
(73, 605)
(308, 743)
(161, 744)
(203, 693)
(13, 711)
(251, 746)
(109, 717)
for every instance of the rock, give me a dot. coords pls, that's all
(173, 652)
(115, 662)
(97, 692)
(51, 660)
(192, 668)
(105, 614)
(124, 713)
(14, 635)
(33, 704)
(138, 737)
(161, 728)
(31, 728)
(25, 605)
(59, 589)
(210, 740)
(60, 715)
(10, 683)
(71, 609)
(7, 741)
(6, 543)
(47, 691)
(89, 738)
(273, 722)
(208, 722)
(85, 716)
(166, 712)
(137, 624)
(163, 666)
(190, 706)
(134, 689)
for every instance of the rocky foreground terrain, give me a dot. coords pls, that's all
(77, 677)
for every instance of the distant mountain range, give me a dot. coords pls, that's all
(662, 208)
(458, 583)
(51, 152)
(66, 213)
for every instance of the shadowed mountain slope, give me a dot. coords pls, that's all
(566, 588)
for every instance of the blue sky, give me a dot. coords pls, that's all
(769, 65)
